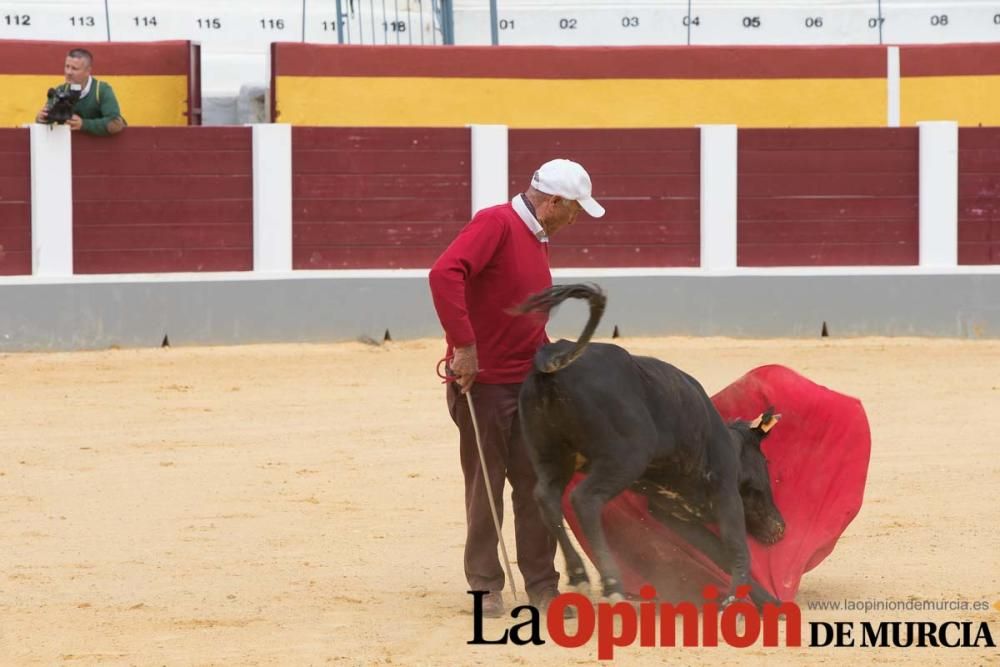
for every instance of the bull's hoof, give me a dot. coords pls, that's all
(731, 599)
(583, 588)
(764, 598)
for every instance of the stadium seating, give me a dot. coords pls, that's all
(235, 35)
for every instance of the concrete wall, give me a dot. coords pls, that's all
(138, 311)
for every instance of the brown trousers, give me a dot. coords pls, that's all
(506, 456)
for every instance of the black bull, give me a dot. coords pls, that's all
(644, 425)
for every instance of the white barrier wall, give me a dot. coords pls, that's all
(826, 22)
(323, 306)
(51, 201)
(221, 25)
(489, 166)
(938, 193)
(718, 197)
(272, 197)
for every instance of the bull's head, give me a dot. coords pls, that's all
(763, 520)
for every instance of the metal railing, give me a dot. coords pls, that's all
(411, 22)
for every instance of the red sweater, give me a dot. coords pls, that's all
(493, 264)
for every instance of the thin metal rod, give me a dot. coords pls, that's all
(385, 24)
(689, 23)
(361, 24)
(489, 494)
(494, 23)
(879, 21)
(409, 21)
(303, 21)
(107, 19)
(420, 3)
(340, 22)
(396, 2)
(434, 22)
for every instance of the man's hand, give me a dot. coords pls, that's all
(465, 365)
(43, 115)
(75, 123)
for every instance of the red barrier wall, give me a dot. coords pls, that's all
(648, 180)
(611, 87)
(959, 82)
(827, 197)
(377, 197)
(979, 195)
(15, 203)
(156, 83)
(180, 199)
(162, 200)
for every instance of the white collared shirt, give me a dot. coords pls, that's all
(86, 89)
(529, 218)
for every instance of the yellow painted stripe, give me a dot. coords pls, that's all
(622, 103)
(144, 100)
(970, 100)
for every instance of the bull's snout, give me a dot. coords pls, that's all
(776, 530)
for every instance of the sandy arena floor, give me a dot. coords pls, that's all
(302, 504)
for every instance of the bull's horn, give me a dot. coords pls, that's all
(770, 423)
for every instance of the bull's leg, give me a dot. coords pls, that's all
(605, 481)
(708, 543)
(733, 532)
(552, 481)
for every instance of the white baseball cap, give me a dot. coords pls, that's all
(568, 180)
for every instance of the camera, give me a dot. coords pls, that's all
(63, 100)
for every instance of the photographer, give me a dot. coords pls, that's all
(83, 102)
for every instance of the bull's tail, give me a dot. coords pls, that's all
(543, 302)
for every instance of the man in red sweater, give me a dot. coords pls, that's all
(496, 261)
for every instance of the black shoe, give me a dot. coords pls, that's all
(493, 604)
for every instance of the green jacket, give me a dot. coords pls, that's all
(97, 108)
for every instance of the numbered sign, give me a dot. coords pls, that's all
(62, 21)
(248, 25)
(731, 22)
(940, 22)
(576, 25)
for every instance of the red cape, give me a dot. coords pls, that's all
(818, 461)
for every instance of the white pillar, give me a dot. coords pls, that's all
(892, 86)
(272, 197)
(51, 200)
(718, 197)
(490, 183)
(938, 193)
